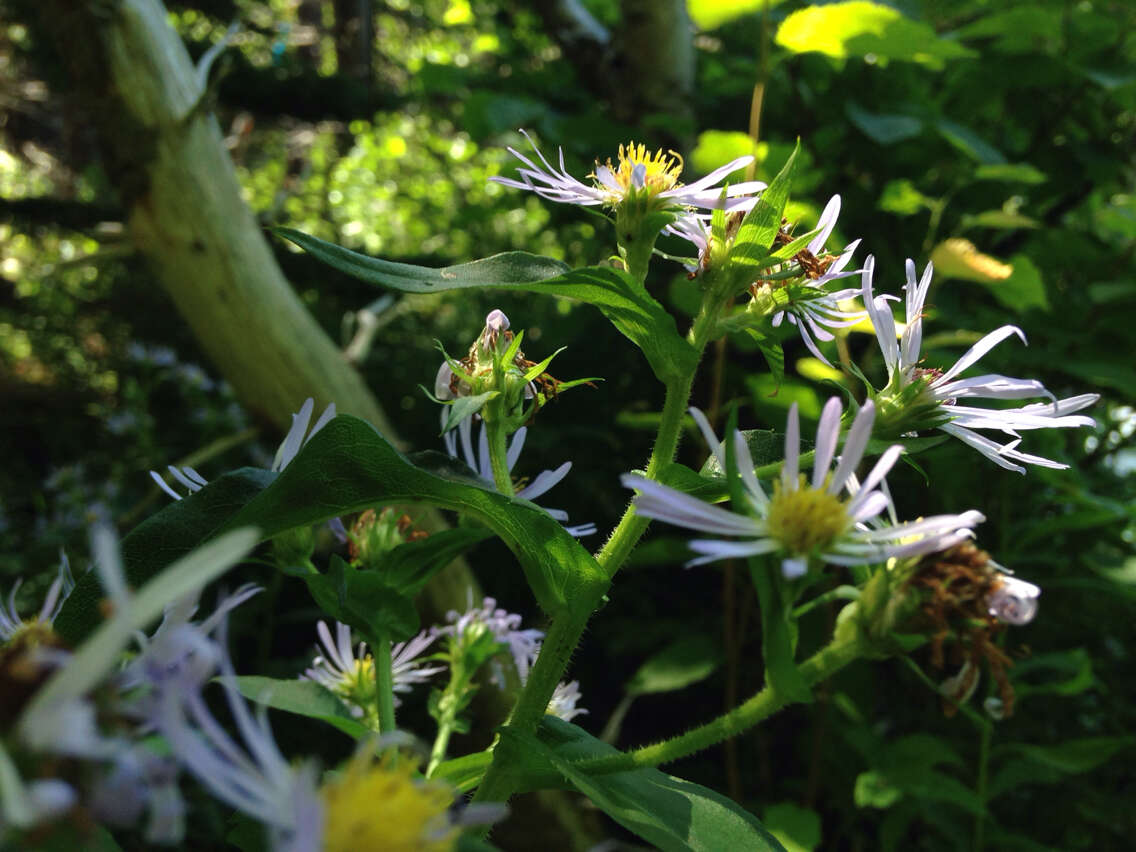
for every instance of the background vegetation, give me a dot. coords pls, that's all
(996, 138)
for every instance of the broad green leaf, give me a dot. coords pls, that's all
(627, 304)
(773, 353)
(348, 466)
(467, 406)
(667, 812)
(365, 600)
(302, 697)
(711, 14)
(862, 29)
(797, 828)
(465, 772)
(970, 143)
(884, 128)
(684, 661)
(159, 540)
(882, 789)
(902, 198)
(874, 790)
(763, 222)
(718, 147)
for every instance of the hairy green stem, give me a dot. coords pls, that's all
(384, 684)
(757, 708)
(632, 526)
(555, 652)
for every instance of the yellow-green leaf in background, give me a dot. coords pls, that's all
(868, 30)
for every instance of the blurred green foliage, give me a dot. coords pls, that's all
(997, 138)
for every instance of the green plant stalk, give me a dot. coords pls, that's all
(498, 452)
(981, 784)
(632, 526)
(384, 684)
(757, 708)
(448, 706)
(559, 642)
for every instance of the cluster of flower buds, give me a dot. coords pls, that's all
(375, 534)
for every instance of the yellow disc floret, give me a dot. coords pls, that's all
(638, 170)
(381, 806)
(805, 520)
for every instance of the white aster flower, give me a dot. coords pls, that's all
(295, 439)
(297, 436)
(637, 172)
(186, 476)
(934, 395)
(813, 316)
(804, 520)
(349, 671)
(479, 462)
(1013, 601)
(11, 624)
(563, 701)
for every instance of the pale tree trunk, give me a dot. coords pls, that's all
(656, 48)
(165, 154)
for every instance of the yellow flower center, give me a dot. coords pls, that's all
(383, 807)
(639, 170)
(805, 520)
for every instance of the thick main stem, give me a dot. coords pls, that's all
(759, 707)
(556, 650)
(632, 526)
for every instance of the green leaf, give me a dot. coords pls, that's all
(797, 828)
(667, 812)
(159, 540)
(99, 654)
(999, 219)
(302, 697)
(903, 199)
(684, 661)
(970, 143)
(711, 14)
(467, 406)
(763, 222)
(365, 600)
(862, 29)
(465, 772)
(884, 128)
(1075, 755)
(774, 355)
(514, 267)
(625, 302)
(1010, 173)
(778, 631)
(717, 147)
(347, 467)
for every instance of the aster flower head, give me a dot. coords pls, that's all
(797, 289)
(564, 700)
(826, 519)
(460, 446)
(489, 621)
(811, 306)
(918, 397)
(349, 671)
(14, 628)
(639, 178)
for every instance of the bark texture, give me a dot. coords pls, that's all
(164, 151)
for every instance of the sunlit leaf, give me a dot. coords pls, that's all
(302, 697)
(864, 29)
